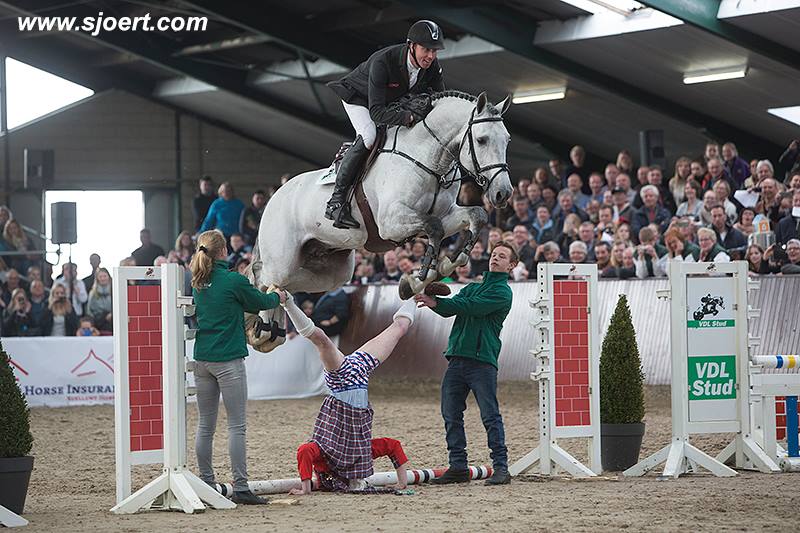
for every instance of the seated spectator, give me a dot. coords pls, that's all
(100, 305)
(522, 187)
(543, 228)
(250, 219)
(332, 312)
(641, 177)
(17, 320)
(698, 170)
(794, 182)
(789, 226)
(650, 212)
(544, 178)
(769, 202)
(566, 207)
(723, 191)
(463, 274)
(647, 253)
(522, 244)
(709, 201)
(238, 249)
(39, 311)
(598, 187)
(575, 186)
(86, 328)
(623, 210)
(184, 247)
(764, 170)
(623, 233)
(61, 320)
(550, 197)
(736, 167)
(615, 261)
(406, 265)
(548, 252)
(12, 283)
(146, 254)
(745, 222)
(242, 266)
(569, 233)
(593, 211)
(478, 260)
(577, 252)
(733, 241)
(418, 249)
(628, 268)
(655, 178)
(586, 236)
(602, 254)
(792, 265)
(224, 213)
(678, 181)
(391, 272)
(495, 236)
(94, 263)
(710, 251)
(534, 195)
(692, 205)
(604, 231)
(363, 274)
(758, 261)
(522, 214)
(716, 173)
(678, 249)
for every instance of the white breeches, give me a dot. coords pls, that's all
(363, 124)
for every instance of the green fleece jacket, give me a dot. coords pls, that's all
(220, 314)
(480, 309)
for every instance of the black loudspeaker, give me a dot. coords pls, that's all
(651, 148)
(64, 222)
(38, 168)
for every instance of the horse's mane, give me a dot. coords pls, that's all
(490, 108)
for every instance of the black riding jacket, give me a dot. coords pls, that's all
(383, 79)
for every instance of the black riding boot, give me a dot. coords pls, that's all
(338, 208)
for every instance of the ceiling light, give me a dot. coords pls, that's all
(703, 76)
(791, 113)
(539, 95)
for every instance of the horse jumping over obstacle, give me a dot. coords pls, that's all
(410, 192)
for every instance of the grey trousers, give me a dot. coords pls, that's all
(229, 378)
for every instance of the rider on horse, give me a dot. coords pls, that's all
(370, 94)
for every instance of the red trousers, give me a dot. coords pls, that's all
(310, 459)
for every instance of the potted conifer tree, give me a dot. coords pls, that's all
(15, 440)
(621, 392)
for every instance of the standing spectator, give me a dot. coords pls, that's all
(73, 287)
(566, 207)
(624, 183)
(17, 315)
(543, 228)
(544, 178)
(791, 158)
(578, 157)
(709, 249)
(641, 177)
(692, 205)
(757, 262)
(17, 241)
(745, 222)
(99, 307)
(711, 151)
(94, 262)
(575, 186)
(146, 254)
(534, 195)
(556, 173)
(699, 170)
(789, 226)
(769, 202)
(651, 212)
(480, 310)
(224, 213)
(39, 310)
(251, 217)
(623, 210)
(522, 214)
(764, 170)
(677, 183)
(12, 283)
(794, 182)
(523, 247)
(656, 179)
(723, 192)
(733, 241)
(737, 168)
(598, 187)
(792, 265)
(184, 247)
(239, 249)
(624, 163)
(390, 271)
(610, 174)
(202, 202)
(60, 320)
(332, 312)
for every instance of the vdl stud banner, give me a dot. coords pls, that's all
(711, 348)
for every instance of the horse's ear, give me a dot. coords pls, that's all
(504, 105)
(480, 105)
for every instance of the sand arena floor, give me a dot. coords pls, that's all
(72, 486)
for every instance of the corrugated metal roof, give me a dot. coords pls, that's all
(419, 355)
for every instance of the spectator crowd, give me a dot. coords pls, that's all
(630, 221)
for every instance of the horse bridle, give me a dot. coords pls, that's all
(443, 181)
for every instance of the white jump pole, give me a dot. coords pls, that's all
(9, 519)
(380, 479)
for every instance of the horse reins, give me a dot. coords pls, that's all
(442, 179)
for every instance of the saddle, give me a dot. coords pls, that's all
(374, 242)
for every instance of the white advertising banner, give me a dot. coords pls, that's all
(65, 371)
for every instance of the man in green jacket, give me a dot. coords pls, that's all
(472, 351)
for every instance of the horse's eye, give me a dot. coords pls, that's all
(482, 140)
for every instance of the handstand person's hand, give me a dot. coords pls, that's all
(425, 300)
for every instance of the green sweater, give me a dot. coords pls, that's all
(480, 309)
(220, 314)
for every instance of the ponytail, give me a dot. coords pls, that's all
(209, 245)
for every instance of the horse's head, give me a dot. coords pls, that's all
(483, 149)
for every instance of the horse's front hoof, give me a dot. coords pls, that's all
(405, 289)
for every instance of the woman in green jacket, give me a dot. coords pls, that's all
(221, 298)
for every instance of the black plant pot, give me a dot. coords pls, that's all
(15, 473)
(620, 445)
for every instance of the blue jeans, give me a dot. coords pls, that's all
(464, 375)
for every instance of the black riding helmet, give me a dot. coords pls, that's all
(426, 33)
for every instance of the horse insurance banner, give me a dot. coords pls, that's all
(64, 371)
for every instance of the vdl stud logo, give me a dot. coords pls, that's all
(712, 377)
(710, 306)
